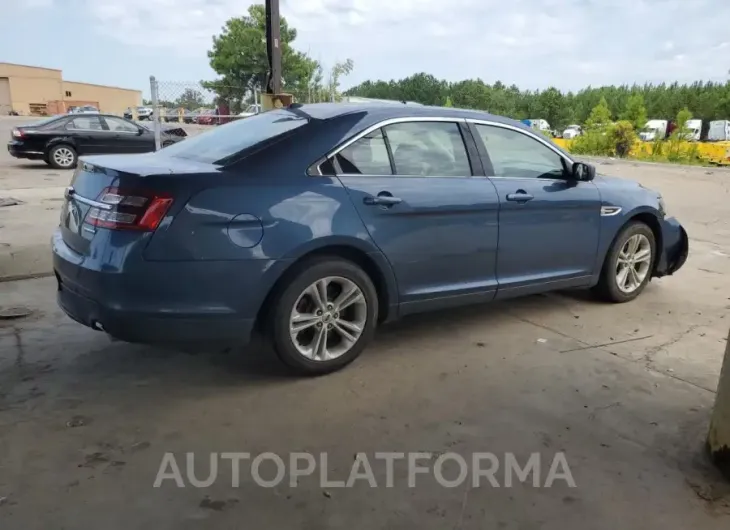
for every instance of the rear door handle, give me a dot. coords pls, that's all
(382, 200)
(519, 196)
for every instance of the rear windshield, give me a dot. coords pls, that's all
(224, 141)
(44, 122)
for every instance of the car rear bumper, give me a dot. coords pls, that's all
(18, 150)
(675, 248)
(170, 303)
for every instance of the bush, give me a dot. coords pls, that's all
(594, 142)
(622, 138)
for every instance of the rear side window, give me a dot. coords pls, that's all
(85, 123)
(428, 149)
(366, 156)
(227, 140)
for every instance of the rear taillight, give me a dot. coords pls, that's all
(17, 133)
(129, 210)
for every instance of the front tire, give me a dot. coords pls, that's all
(62, 156)
(324, 316)
(629, 264)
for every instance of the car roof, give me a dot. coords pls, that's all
(378, 111)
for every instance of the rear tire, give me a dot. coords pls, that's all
(62, 156)
(324, 316)
(629, 264)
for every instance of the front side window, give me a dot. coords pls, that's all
(85, 123)
(428, 149)
(515, 154)
(120, 125)
(366, 156)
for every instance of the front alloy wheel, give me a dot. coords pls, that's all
(633, 263)
(629, 263)
(324, 316)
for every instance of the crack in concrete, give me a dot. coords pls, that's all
(651, 352)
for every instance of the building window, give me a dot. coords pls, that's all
(68, 93)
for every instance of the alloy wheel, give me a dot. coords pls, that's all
(328, 318)
(63, 157)
(633, 262)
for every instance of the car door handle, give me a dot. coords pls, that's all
(519, 196)
(381, 200)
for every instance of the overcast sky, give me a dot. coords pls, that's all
(532, 43)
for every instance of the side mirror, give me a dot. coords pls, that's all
(583, 172)
(140, 131)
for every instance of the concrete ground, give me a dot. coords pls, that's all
(625, 391)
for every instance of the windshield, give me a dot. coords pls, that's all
(225, 141)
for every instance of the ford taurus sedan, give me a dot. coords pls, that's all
(312, 224)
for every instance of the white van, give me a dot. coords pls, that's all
(539, 125)
(654, 130)
(694, 130)
(719, 131)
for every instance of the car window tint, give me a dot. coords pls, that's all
(220, 143)
(367, 156)
(515, 154)
(120, 125)
(85, 123)
(428, 149)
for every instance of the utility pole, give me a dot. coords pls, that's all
(273, 46)
(718, 441)
(273, 97)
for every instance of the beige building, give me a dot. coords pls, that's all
(42, 91)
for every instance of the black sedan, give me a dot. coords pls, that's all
(60, 140)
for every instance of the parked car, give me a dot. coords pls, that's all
(572, 131)
(171, 115)
(375, 212)
(207, 117)
(190, 116)
(86, 109)
(60, 140)
(143, 113)
(251, 110)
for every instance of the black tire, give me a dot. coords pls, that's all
(608, 288)
(52, 153)
(167, 143)
(282, 304)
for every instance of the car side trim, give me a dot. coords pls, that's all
(609, 211)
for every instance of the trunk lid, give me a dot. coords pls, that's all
(130, 193)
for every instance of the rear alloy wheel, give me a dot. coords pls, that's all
(629, 263)
(62, 157)
(325, 317)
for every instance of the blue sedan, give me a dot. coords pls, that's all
(314, 223)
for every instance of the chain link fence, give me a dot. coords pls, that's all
(197, 105)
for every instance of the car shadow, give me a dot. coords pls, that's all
(257, 363)
(102, 369)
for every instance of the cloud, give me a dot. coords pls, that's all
(533, 43)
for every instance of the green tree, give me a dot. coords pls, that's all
(239, 57)
(635, 111)
(448, 102)
(600, 116)
(338, 70)
(190, 99)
